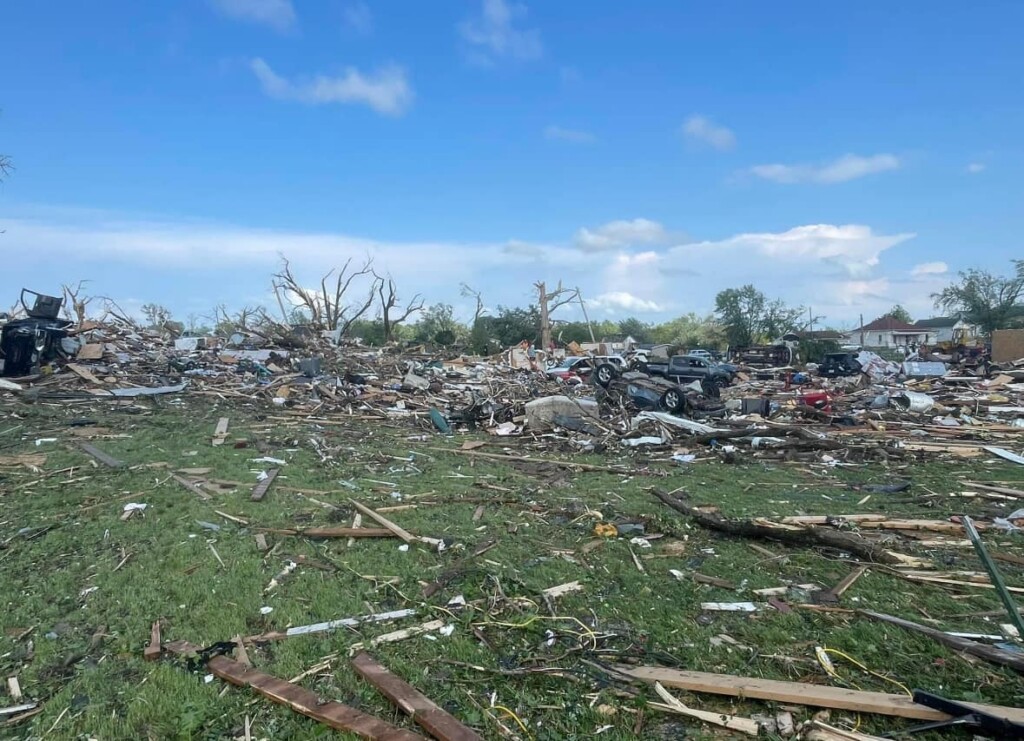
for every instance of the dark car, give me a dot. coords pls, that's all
(34, 340)
(646, 392)
(687, 368)
(837, 364)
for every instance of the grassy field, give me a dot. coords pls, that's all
(81, 586)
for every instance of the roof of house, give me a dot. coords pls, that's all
(820, 334)
(886, 324)
(937, 322)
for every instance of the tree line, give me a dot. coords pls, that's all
(354, 301)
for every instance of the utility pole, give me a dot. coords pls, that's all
(861, 331)
(583, 306)
(548, 303)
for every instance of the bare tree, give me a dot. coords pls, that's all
(549, 302)
(75, 305)
(389, 301)
(468, 292)
(5, 167)
(328, 309)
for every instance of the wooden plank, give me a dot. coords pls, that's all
(92, 351)
(1005, 491)
(334, 532)
(220, 433)
(818, 696)
(152, 651)
(406, 536)
(260, 490)
(333, 714)
(106, 460)
(982, 651)
(14, 688)
(83, 373)
(732, 722)
(424, 712)
(261, 543)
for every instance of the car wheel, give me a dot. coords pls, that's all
(605, 374)
(673, 401)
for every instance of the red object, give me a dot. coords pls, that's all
(817, 399)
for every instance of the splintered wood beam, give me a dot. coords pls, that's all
(106, 460)
(260, 490)
(423, 711)
(818, 696)
(152, 651)
(333, 714)
(334, 532)
(405, 535)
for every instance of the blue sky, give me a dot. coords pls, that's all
(842, 156)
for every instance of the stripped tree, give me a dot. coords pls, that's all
(332, 308)
(549, 302)
(390, 314)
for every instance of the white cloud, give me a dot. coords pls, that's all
(494, 33)
(625, 301)
(975, 167)
(358, 17)
(929, 268)
(386, 91)
(852, 247)
(847, 167)
(277, 14)
(702, 129)
(523, 249)
(574, 136)
(621, 233)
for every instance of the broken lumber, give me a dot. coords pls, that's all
(798, 693)
(260, 490)
(152, 651)
(525, 459)
(406, 536)
(804, 536)
(423, 711)
(83, 373)
(333, 714)
(398, 635)
(332, 625)
(220, 433)
(732, 722)
(106, 460)
(333, 532)
(1005, 491)
(991, 654)
(14, 688)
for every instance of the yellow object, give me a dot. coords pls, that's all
(604, 530)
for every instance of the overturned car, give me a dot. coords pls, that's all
(696, 400)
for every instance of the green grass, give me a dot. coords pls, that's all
(106, 691)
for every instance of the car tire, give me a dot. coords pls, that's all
(673, 401)
(605, 373)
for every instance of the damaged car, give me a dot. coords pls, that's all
(696, 400)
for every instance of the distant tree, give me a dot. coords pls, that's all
(690, 330)
(749, 318)
(899, 314)
(5, 167)
(638, 330)
(987, 300)
(158, 316)
(438, 325)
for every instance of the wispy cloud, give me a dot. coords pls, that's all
(358, 17)
(575, 136)
(845, 168)
(625, 301)
(975, 167)
(386, 90)
(276, 14)
(494, 34)
(929, 268)
(622, 233)
(703, 130)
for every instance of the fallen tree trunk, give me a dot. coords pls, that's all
(803, 536)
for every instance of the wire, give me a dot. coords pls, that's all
(826, 663)
(515, 718)
(586, 630)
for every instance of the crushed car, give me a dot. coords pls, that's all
(697, 400)
(28, 343)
